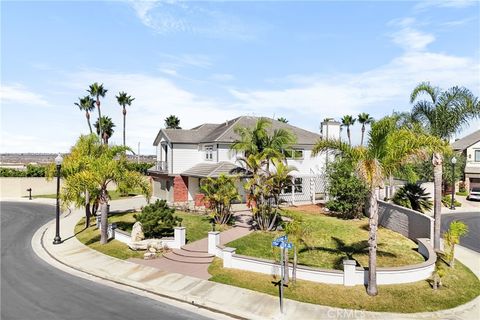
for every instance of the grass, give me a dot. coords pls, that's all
(462, 193)
(114, 195)
(460, 285)
(333, 240)
(197, 227)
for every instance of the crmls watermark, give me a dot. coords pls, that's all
(345, 314)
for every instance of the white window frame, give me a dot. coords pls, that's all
(293, 152)
(297, 184)
(475, 153)
(209, 152)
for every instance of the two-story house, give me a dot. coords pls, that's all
(184, 157)
(470, 147)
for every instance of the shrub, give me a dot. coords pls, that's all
(139, 167)
(158, 220)
(413, 196)
(32, 171)
(456, 230)
(7, 172)
(447, 201)
(346, 190)
(219, 194)
(35, 171)
(461, 187)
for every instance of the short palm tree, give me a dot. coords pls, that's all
(124, 100)
(442, 114)
(348, 121)
(86, 104)
(172, 122)
(413, 196)
(107, 124)
(96, 91)
(364, 119)
(388, 149)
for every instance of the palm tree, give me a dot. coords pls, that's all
(124, 100)
(96, 91)
(348, 121)
(172, 122)
(107, 124)
(414, 197)
(442, 114)
(86, 104)
(388, 149)
(282, 119)
(364, 119)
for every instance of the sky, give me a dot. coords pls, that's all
(214, 61)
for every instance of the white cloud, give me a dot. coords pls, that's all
(411, 39)
(425, 4)
(222, 77)
(18, 94)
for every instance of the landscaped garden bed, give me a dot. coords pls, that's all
(197, 227)
(331, 241)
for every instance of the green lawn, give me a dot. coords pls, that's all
(332, 241)
(197, 227)
(460, 286)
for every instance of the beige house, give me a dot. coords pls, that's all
(470, 147)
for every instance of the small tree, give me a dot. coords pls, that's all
(299, 233)
(158, 220)
(347, 192)
(413, 196)
(219, 194)
(456, 230)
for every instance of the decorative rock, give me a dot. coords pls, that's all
(152, 249)
(137, 232)
(149, 256)
(156, 244)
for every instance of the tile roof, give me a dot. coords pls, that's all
(467, 141)
(213, 170)
(225, 132)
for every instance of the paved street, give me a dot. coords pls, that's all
(472, 219)
(32, 289)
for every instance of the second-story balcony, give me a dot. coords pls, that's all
(160, 166)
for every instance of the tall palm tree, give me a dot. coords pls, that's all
(86, 104)
(124, 100)
(172, 122)
(388, 149)
(364, 119)
(96, 91)
(348, 121)
(442, 114)
(107, 124)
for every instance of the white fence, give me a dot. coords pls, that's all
(305, 189)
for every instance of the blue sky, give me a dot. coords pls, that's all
(213, 61)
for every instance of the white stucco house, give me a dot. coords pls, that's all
(470, 147)
(184, 157)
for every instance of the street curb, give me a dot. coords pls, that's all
(38, 241)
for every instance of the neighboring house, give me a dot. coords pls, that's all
(184, 157)
(470, 147)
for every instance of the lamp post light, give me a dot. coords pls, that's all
(452, 205)
(57, 239)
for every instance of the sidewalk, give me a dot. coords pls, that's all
(225, 299)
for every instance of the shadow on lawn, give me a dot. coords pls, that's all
(347, 251)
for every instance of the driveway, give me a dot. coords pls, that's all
(32, 289)
(472, 220)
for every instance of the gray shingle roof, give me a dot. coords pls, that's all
(225, 132)
(213, 170)
(466, 141)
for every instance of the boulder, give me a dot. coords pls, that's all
(155, 244)
(149, 256)
(137, 232)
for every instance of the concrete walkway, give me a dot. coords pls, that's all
(193, 259)
(74, 257)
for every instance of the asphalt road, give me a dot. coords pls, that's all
(472, 219)
(32, 289)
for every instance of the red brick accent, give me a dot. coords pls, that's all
(199, 200)
(180, 189)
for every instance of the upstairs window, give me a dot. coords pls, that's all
(209, 152)
(297, 184)
(477, 155)
(294, 154)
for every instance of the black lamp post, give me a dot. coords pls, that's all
(452, 205)
(57, 239)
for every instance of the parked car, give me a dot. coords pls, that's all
(474, 194)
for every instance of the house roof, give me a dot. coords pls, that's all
(467, 141)
(225, 132)
(213, 170)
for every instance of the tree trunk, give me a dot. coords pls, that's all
(88, 121)
(287, 275)
(363, 132)
(88, 212)
(372, 289)
(348, 135)
(437, 198)
(124, 120)
(99, 120)
(104, 217)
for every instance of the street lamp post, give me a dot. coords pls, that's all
(452, 205)
(57, 239)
